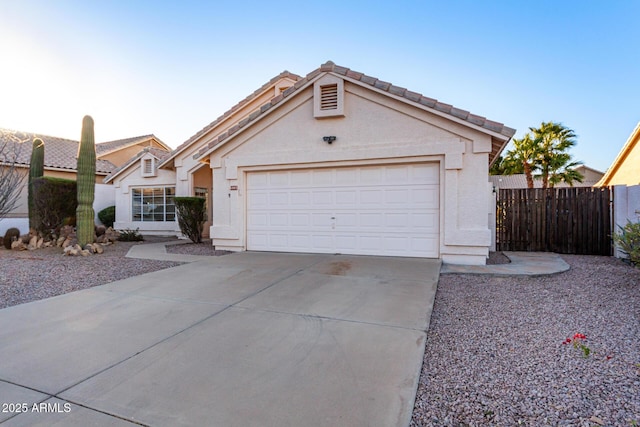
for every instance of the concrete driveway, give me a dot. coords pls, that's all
(249, 339)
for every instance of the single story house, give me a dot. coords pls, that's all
(60, 160)
(519, 180)
(336, 161)
(625, 169)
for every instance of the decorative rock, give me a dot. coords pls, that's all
(70, 242)
(97, 248)
(85, 252)
(18, 245)
(70, 251)
(40, 243)
(67, 231)
(60, 241)
(47, 244)
(33, 243)
(25, 239)
(100, 230)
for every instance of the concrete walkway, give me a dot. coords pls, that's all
(158, 251)
(522, 264)
(247, 339)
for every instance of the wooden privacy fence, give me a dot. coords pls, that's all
(562, 220)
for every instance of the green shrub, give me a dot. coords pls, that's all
(107, 216)
(628, 240)
(55, 203)
(192, 214)
(11, 235)
(128, 235)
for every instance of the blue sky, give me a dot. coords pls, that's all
(170, 68)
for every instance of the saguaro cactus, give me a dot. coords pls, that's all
(36, 170)
(85, 222)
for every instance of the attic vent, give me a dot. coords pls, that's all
(147, 167)
(329, 97)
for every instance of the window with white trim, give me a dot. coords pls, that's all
(328, 97)
(148, 166)
(153, 204)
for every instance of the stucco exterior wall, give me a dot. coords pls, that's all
(375, 130)
(626, 208)
(628, 172)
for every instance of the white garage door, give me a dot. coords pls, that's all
(370, 210)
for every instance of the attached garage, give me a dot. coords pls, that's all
(341, 162)
(387, 210)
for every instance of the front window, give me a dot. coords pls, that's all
(153, 204)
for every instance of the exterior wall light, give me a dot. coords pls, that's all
(328, 139)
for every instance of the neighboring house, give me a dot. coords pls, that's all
(60, 160)
(333, 162)
(519, 180)
(625, 169)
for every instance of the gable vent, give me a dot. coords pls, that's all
(329, 97)
(148, 166)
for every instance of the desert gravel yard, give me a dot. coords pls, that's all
(494, 353)
(32, 275)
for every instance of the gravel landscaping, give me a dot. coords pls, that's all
(32, 275)
(495, 355)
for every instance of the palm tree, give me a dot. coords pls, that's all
(563, 169)
(554, 139)
(544, 150)
(523, 157)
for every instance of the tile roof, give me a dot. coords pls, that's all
(216, 122)
(433, 104)
(159, 153)
(103, 148)
(59, 153)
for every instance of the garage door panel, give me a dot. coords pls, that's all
(372, 196)
(323, 198)
(381, 210)
(322, 177)
(300, 198)
(396, 196)
(397, 175)
(300, 219)
(278, 179)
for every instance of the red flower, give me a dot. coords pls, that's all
(579, 336)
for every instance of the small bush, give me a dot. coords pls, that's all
(192, 214)
(54, 200)
(11, 235)
(628, 240)
(107, 216)
(129, 235)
